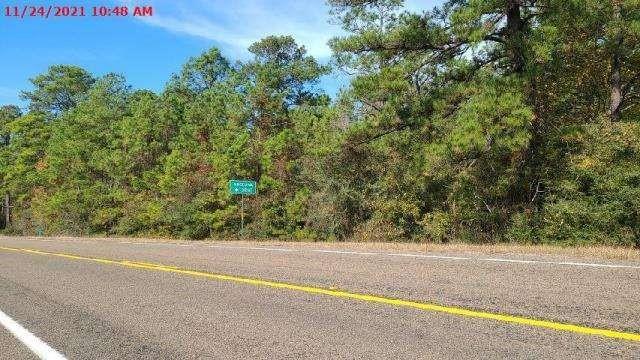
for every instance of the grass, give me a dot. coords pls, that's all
(579, 252)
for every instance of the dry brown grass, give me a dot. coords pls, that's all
(580, 252)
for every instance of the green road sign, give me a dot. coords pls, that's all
(242, 187)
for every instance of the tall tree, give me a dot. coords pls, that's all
(83, 164)
(202, 72)
(622, 36)
(279, 79)
(8, 113)
(59, 89)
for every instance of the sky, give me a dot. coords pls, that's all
(148, 50)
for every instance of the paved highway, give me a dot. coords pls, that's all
(123, 299)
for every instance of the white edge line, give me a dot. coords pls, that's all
(37, 346)
(441, 257)
(424, 256)
(444, 257)
(345, 252)
(251, 248)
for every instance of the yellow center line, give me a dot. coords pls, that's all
(454, 310)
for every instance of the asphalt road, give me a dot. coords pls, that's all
(92, 299)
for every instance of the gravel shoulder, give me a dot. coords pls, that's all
(550, 251)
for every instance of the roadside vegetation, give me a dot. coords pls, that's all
(481, 121)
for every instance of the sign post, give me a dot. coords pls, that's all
(242, 188)
(241, 213)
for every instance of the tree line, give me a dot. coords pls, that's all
(478, 121)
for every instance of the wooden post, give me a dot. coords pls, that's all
(7, 212)
(241, 214)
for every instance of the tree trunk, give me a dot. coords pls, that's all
(515, 37)
(615, 79)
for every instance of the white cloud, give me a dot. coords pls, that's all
(234, 25)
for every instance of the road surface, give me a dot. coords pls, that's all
(95, 299)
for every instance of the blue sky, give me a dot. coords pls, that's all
(147, 51)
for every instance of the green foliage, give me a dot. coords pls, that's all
(59, 89)
(479, 121)
(477, 153)
(598, 201)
